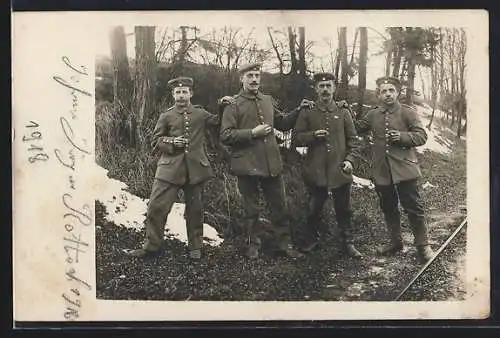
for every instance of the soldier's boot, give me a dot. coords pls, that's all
(396, 243)
(311, 238)
(254, 243)
(253, 248)
(424, 253)
(291, 252)
(348, 247)
(310, 243)
(286, 246)
(420, 234)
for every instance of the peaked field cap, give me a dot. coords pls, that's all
(323, 77)
(181, 82)
(250, 66)
(388, 79)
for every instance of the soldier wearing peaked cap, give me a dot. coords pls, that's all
(179, 135)
(389, 80)
(247, 128)
(328, 132)
(396, 131)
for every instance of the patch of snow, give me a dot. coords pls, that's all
(427, 185)
(362, 182)
(129, 210)
(435, 142)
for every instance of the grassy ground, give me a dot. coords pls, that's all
(224, 274)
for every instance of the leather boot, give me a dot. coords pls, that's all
(424, 253)
(253, 241)
(291, 252)
(396, 244)
(310, 242)
(285, 246)
(348, 247)
(351, 251)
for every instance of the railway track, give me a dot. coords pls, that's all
(437, 254)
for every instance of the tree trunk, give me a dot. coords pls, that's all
(363, 55)
(344, 86)
(388, 59)
(410, 88)
(453, 79)
(278, 55)
(462, 99)
(122, 88)
(397, 61)
(434, 88)
(424, 93)
(302, 52)
(181, 53)
(293, 54)
(337, 67)
(144, 79)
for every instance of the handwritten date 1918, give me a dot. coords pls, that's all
(35, 148)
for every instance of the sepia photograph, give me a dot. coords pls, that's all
(208, 166)
(281, 163)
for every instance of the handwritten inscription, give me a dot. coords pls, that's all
(77, 217)
(34, 139)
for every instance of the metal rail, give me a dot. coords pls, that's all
(429, 262)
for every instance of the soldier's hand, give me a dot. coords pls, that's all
(226, 100)
(394, 135)
(261, 130)
(180, 142)
(343, 104)
(306, 104)
(346, 167)
(320, 133)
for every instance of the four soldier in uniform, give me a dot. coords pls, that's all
(328, 131)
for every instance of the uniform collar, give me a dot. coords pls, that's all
(188, 109)
(326, 107)
(390, 109)
(250, 96)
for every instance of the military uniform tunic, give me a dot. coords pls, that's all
(395, 169)
(257, 161)
(322, 168)
(394, 162)
(179, 168)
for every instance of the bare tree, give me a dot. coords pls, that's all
(451, 52)
(363, 55)
(343, 85)
(462, 103)
(388, 58)
(302, 52)
(436, 82)
(278, 54)
(144, 80)
(122, 82)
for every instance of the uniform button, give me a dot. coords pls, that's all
(387, 151)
